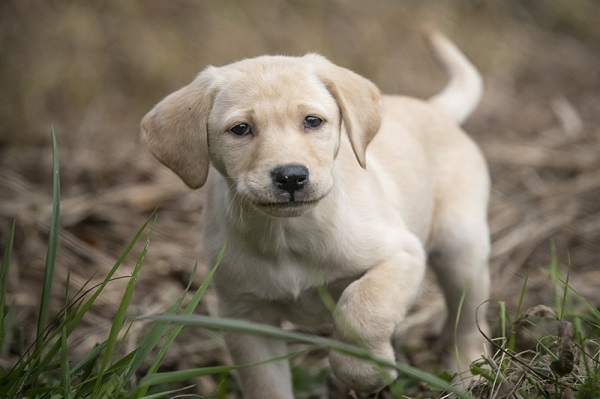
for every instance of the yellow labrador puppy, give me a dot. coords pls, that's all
(314, 179)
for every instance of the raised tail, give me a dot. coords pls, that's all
(462, 93)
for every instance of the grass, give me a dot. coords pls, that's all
(563, 363)
(45, 369)
(564, 360)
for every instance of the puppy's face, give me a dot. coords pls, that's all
(270, 126)
(273, 133)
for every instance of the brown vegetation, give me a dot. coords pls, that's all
(92, 69)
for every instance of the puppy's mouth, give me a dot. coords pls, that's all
(286, 208)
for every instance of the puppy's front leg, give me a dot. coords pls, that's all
(271, 380)
(369, 311)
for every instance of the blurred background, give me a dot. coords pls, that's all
(92, 69)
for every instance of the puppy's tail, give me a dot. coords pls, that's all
(463, 92)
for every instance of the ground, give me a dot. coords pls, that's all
(91, 71)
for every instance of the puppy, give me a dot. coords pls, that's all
(314, 179)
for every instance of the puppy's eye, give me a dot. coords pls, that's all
(241, 129)
(312, 122)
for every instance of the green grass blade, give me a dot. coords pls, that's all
(23, 370)
(169, 394)
(88, 304)
(503, 321)
(565, 290)
(42, 359)
(247, 327)
(52, 245)
(18, 372)
(121, 314)
(65, 374)
(114, 375)
(4, 275)
(89, 359)
(157, 331)
(456, 324)
(152, 339)
(592, 309)
(513, 332)
(184, 375)
(187, 311)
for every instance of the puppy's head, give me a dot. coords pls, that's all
(270, 125)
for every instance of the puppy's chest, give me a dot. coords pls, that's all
(289, 276)
(285, 265)
(294, 284)
(295, 268)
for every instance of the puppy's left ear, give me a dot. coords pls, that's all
(359, 101)
(175, 130)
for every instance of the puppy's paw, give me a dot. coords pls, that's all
(362, 375)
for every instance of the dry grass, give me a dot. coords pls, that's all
(92, 70)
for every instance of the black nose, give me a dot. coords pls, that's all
(290, 178)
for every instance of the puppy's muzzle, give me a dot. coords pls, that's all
(290, 178)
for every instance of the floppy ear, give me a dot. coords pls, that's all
(359, 101)
(175, 130)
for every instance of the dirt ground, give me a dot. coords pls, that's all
(92, 69)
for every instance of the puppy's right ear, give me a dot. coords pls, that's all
(175, 130)
(359, 102)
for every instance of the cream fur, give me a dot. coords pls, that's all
(393, 182)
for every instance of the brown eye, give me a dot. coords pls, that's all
(312, 122)
(241, 129)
